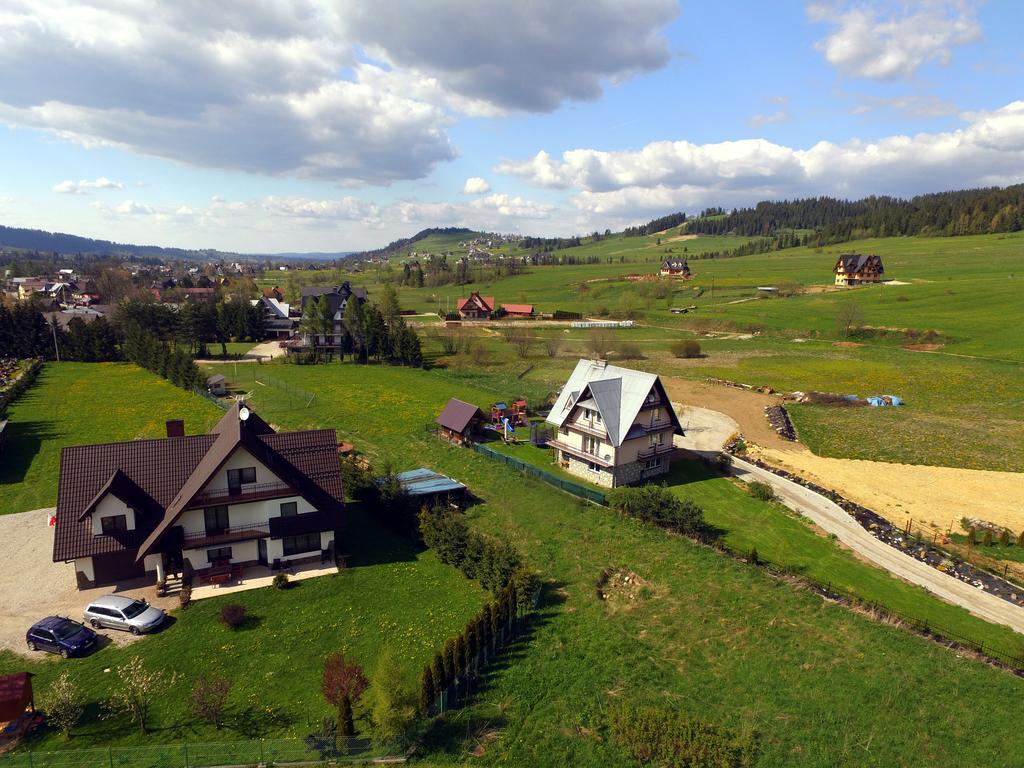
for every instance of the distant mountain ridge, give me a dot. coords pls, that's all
(63, 243)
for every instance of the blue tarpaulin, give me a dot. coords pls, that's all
(426, 482)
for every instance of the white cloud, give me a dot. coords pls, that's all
(891, 40)
(475, 186)
(666, 175)
(517, 56)
(83, 186)
(285, 88)
(513, 206)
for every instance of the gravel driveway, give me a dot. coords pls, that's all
(33, 586)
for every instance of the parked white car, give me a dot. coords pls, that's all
(116, 612)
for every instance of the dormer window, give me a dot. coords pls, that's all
(114, 523)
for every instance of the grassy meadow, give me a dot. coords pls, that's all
(81, 403)
(391, 595)
(711, 636)
(716, 638)
(964, 390)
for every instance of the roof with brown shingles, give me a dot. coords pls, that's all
(457, 415)
(165, 474)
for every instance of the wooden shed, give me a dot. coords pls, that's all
(459, 421)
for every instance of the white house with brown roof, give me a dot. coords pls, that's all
(615, 425)
(206, 504)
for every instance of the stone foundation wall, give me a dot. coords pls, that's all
(579, 468)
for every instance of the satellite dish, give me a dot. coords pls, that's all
(243, 413)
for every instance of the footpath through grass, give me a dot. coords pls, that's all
(81, 403)
(715, 637)
(392, 594)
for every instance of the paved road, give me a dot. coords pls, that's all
(833, 519)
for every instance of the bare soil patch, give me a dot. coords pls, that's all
(932, 497)
(846, 344)
(745, 407)
(622, 589)
(923, 347)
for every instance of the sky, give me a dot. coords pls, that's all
(262, 126)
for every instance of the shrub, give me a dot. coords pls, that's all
(209, 698)
(392, 705)
(232, 615)
(753, 557)
(552, 346)
(1004, 538)
(343, 685)
(658, 505)
(761, 491)
(185, 596)
(672, 738)
(686, 348)
(280, 580)
(987, 538)
(630, 350)
(64, 704)
(1020, 539)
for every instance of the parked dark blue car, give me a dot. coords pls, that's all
(57, 634)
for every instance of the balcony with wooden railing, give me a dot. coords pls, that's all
(580, 453)
(199, 539)
(655, 450)
(247, 492)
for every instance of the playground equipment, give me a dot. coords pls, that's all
(514, 412)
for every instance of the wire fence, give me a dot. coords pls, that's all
(312, 749)
(576, 489)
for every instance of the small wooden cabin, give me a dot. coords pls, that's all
(460, 421)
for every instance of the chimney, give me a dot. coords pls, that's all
(176, 428)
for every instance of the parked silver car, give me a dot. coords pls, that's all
(116, 612)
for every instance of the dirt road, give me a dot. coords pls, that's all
(833, 519)
(745, 407)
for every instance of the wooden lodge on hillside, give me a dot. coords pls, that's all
(476, 307)
(675, 268)
(856, 269)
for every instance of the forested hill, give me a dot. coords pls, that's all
(399, 245)
(966, 212)
(59, 242)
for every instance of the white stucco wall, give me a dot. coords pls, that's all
(83, 565)
(108, 507)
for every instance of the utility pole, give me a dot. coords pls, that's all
(53, 329)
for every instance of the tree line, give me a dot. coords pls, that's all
(367, 331)
(656, 225)
(964, 212)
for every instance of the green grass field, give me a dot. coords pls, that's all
(81, 403)
(391, 594)
(718, 638)
(965, 398)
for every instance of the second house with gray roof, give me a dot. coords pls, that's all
(615, 425)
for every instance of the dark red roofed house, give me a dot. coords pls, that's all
(241, 495)
(518, 310)
(476, 307)
(459, 421)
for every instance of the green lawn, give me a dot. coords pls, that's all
(81, 403)
(718, 638)
(391, 594)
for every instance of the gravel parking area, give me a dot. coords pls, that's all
(33, 586)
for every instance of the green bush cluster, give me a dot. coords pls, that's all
(672, 738)
(686, 348)
(658, 505)
(480, 557)
(761, 491)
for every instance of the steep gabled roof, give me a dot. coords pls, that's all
(125, 489)
(233, 434)
(168, 473)
(485, 302)
(858, 262)
(618, 393)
